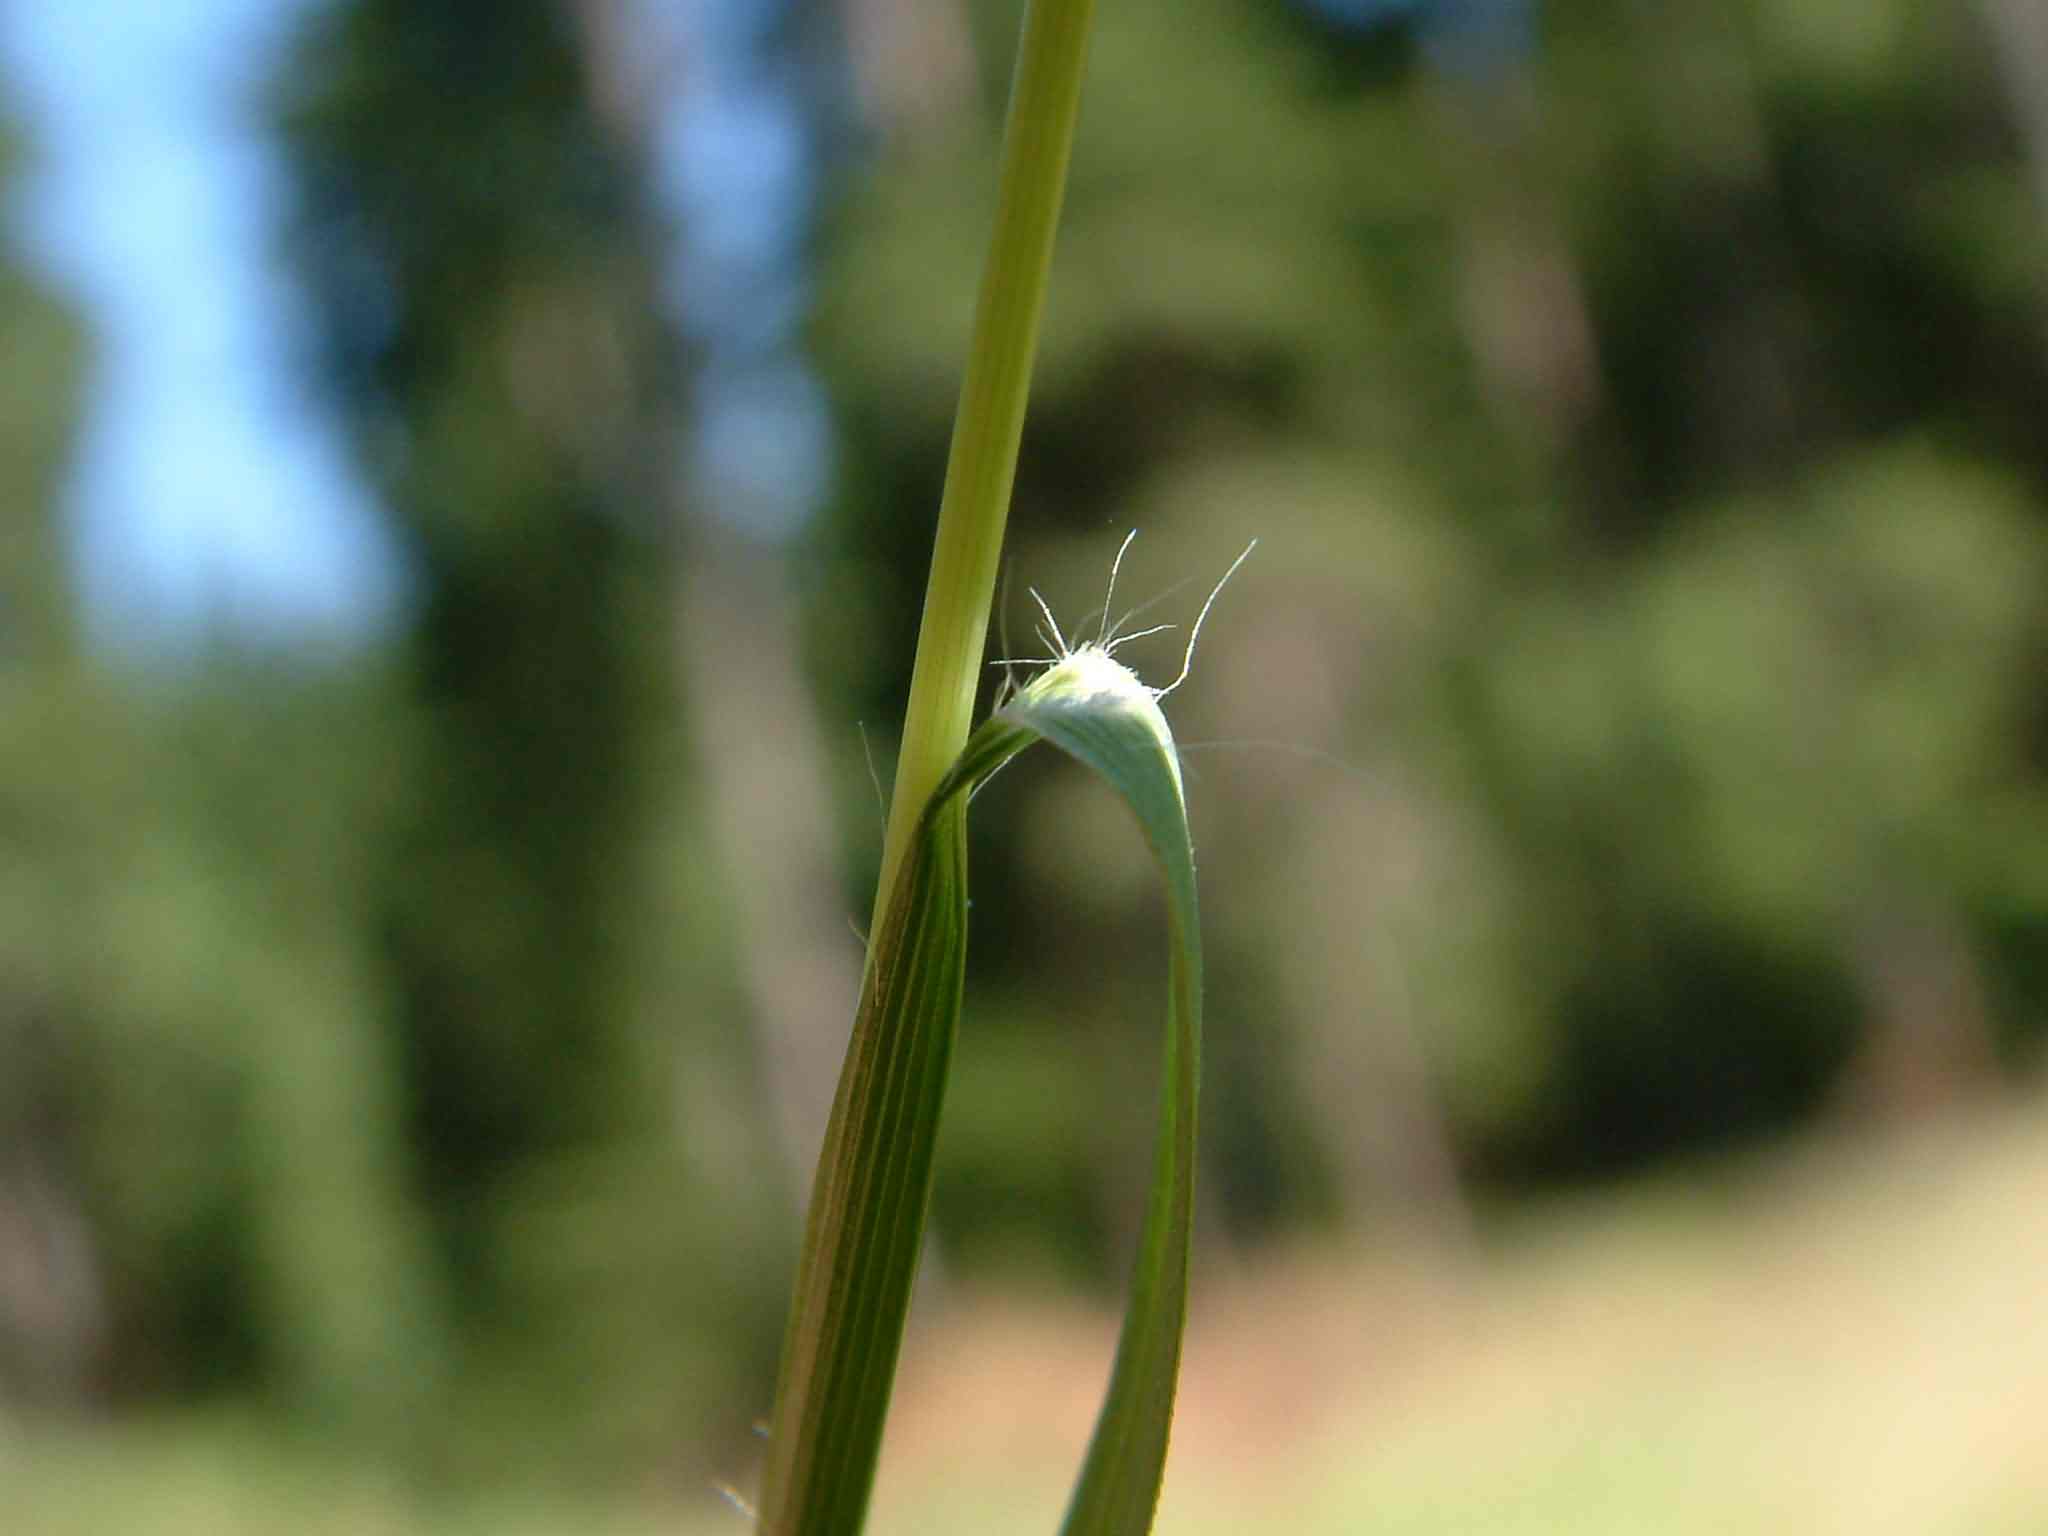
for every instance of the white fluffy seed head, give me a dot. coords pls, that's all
(1092, 670)
(1089, 675)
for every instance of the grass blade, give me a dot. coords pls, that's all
(1093, 708)
(874, 1178)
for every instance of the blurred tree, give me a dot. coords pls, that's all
(478, 246)
(51, 1307)
(470, 242)
(754, 737)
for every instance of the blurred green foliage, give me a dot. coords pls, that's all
(1644, 434)
(1634, 726)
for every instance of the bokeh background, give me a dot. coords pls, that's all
(468, 472)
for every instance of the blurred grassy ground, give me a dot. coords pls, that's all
(1848, 1337)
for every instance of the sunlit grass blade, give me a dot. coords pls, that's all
(1095, 709)
(874, 1177)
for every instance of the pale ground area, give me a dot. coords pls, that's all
(1848, 1338)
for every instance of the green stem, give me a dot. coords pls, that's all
(874, 1172)
(1037, 139)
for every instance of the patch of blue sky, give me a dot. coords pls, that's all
(735, 168)
(763, 446)
(208, 490)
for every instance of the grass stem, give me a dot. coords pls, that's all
(1037, 140)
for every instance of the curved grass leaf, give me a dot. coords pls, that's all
(874, 1176)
